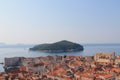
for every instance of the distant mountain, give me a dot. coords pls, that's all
(61, 46)
(102, 44)
(1, 43)
(16, 45)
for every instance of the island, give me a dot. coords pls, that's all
(58, 47)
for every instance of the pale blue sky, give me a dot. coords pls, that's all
(39, 21)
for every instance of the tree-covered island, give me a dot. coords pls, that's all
(61, 46)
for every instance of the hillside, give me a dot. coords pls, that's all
(61, 46)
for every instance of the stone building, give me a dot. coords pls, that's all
(16, 61)
(117, 61)
(13, 63)
(104, 57)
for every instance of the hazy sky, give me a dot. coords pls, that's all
(39, 21)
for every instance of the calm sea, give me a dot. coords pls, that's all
(89, 50)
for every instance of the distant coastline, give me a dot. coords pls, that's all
(101, 44)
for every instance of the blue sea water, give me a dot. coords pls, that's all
(89, 50)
